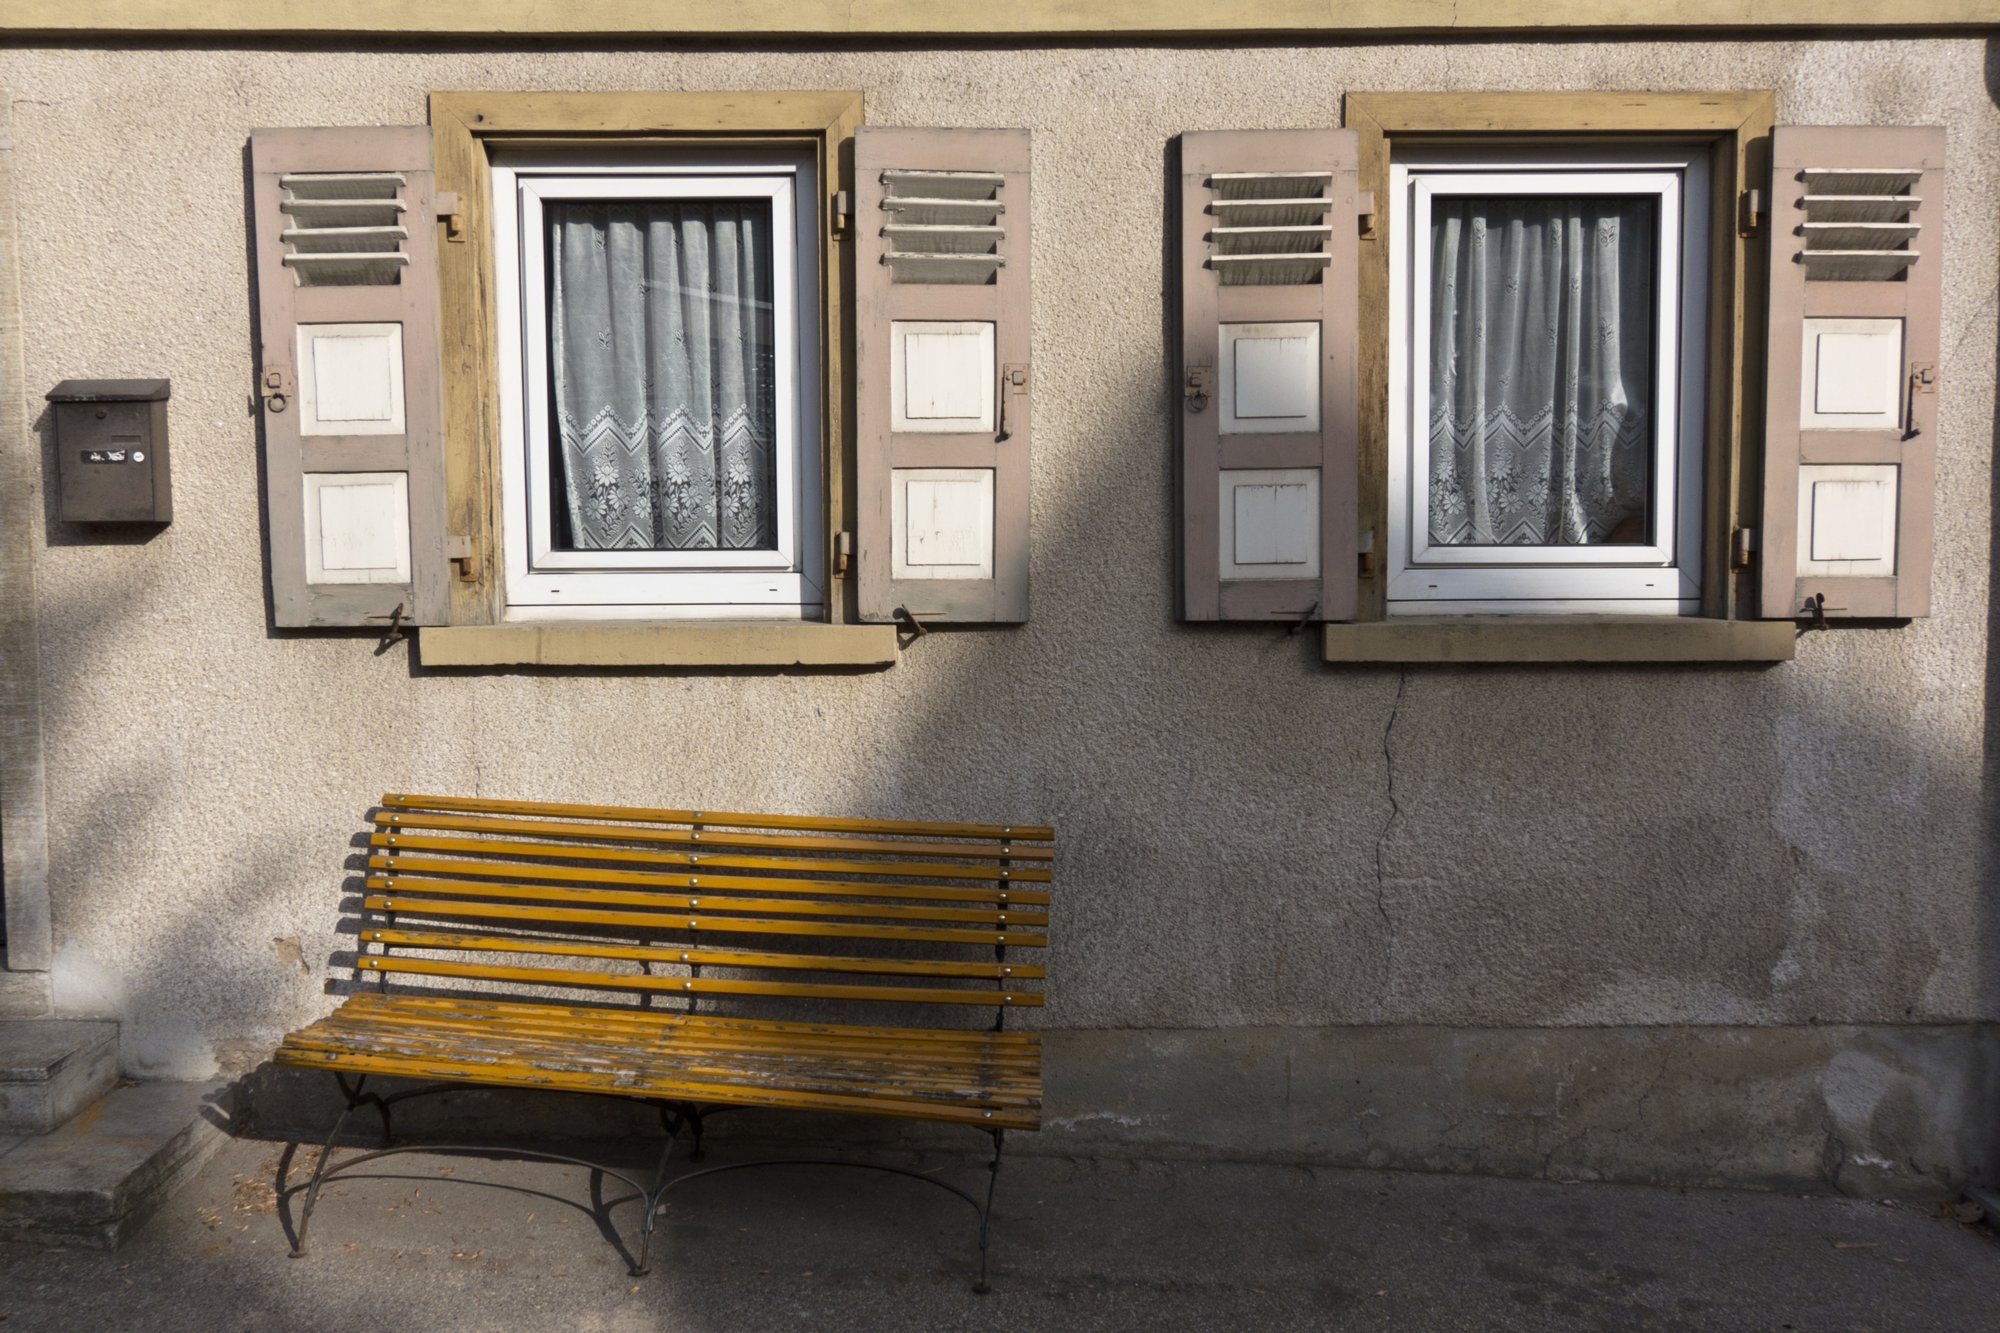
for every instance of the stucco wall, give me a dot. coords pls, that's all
(1563, 847)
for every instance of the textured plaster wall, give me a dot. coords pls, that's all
(1250, 838)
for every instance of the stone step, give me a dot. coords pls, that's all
(51, 1068)
(92, 1181)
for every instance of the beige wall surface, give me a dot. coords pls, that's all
(1249, 836)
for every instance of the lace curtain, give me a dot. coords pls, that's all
(661, 356)
(1541, 370)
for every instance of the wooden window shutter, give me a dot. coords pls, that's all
(1850, 436)
(1266, 396)
(942, 391)
(348, 370)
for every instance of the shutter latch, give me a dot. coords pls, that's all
(275, 388)
(449, 214)
(1198, 387)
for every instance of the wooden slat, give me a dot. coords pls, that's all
(699, 877)
(506, 1020)
(1011, 1061)
(712, 837)
(558, 845)
(639, 814)
(968, 1082)
(797, 962)
(662, 1085)
(705, 902)
(552, 976)
(369, 1002)
(408, 906)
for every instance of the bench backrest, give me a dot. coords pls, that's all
(540, 897)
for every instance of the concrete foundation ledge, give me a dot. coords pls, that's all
(1902, 1111)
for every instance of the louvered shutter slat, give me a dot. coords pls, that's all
(1266, 406)
(349, 374)
(1851, 382)
(942, 334)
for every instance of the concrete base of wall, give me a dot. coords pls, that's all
(1910, 1112)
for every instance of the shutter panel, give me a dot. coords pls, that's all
(345, 227)
(1850, 437)
(1266, 398)
(942, 390)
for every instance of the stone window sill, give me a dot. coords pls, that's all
(1556, 639)
(681, 644)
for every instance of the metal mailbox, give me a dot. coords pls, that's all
(111, 451)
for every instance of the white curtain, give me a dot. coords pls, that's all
(661, 359)
(1541, 370)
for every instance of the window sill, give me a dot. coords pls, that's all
(689, 644)
(1561, 639)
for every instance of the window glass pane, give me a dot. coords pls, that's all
(1542, 370)
(662, 375)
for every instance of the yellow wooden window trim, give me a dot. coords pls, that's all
(464, 126)
(1738, 126)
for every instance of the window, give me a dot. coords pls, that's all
(658, 366)
(1547, 356)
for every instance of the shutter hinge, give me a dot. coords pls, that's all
(843, 212)
(275, 388)
(1923, 380)
(1013, 383)
(1741, 547)
(458, 550)
(1750, 212)
(1198, 387)
(449, 214)
(843, 553)
(1364, 554)
(1365, 214)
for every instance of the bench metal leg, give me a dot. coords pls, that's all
(981, 1287)
(354, 1099)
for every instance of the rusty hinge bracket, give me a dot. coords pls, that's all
(1750, 214)
(449, 214)
(458, 550)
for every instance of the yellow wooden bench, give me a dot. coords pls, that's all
(694, 960)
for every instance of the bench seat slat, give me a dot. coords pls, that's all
(668, 1086)
(921, 1055)
(982, 1084)
(553, 976)
(557, 837)
(404, 905)
(473, 848)
(590, 1016)
(641, 814)
(790, 864)
(697, 839)
(796, 962)
(701, 901)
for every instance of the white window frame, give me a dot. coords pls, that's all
(541, 583)
(1662, 576)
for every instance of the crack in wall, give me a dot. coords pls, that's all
(1382, 836)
